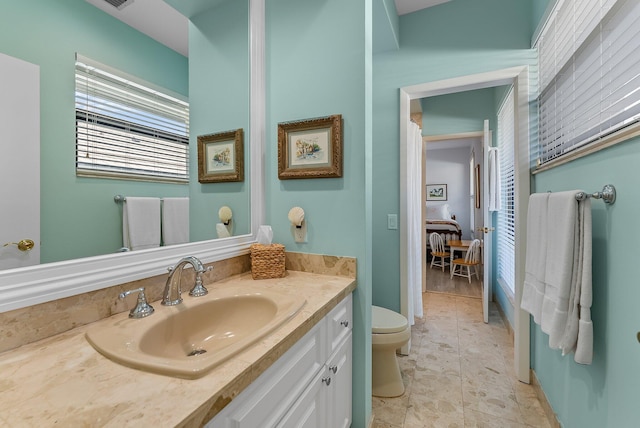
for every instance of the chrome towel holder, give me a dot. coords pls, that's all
(608, 194)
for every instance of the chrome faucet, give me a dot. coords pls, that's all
(173, 290)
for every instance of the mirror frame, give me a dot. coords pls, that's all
(28, 286)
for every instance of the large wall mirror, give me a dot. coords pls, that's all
(243, 45)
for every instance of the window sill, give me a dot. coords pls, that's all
(617, 137)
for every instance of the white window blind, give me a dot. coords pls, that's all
(506, 215)
(589, 68)
(126, 128)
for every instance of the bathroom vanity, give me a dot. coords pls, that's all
(310, 385)
(301, 371)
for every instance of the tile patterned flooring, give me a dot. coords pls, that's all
(459, 372)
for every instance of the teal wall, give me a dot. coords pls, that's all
(605, 393)
(219, 74)
(386, 24)
(458, 113)
(452, 39)
(318, 64)
(78, 215)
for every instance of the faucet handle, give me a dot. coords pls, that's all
(142, 309)
(199, 289)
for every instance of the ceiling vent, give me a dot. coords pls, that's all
(119, 4)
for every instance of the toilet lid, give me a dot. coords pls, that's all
(385, 321)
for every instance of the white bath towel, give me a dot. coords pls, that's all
(495, 188)
(562, 228)
(175, 221)
(578, 334)
(557, 288)
(141, 223)
(536, 256)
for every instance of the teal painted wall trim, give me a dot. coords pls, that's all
(320, 68)
(78, 215)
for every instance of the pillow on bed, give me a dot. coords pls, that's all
(439, 212)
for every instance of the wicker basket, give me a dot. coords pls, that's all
(267, 261)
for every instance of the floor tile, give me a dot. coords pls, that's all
(460, 371)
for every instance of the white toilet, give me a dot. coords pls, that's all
(389, 331)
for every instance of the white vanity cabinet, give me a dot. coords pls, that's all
(309, 386)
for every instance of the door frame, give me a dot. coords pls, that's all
(519, 77)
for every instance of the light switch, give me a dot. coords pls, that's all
(392, 221)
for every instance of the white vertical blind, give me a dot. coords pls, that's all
(127, 129)
(589, 64)
(506, 214)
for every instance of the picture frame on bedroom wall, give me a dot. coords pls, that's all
(436, 192)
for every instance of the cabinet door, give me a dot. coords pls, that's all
(264, 402)
(339, 399)
(310, 411)
(340, 323)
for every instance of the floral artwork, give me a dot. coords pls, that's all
(221, 157)
(310, 148)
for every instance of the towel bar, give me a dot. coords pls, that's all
(608, 194)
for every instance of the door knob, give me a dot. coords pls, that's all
(486, 229)
(23, 245)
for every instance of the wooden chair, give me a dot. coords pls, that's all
(438, 251)
(471, 260)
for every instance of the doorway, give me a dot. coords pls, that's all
(454, 159)
(518, 76)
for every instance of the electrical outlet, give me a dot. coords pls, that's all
(392, 221)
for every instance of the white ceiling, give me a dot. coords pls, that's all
(161, 22)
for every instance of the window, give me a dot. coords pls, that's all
(589, 59)
(506, 214)
(125, 128)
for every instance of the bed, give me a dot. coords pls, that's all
(440, 220)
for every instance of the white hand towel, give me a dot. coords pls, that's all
(578, 335)
(536, 256)
(141, 223)
(175, 221)
(562, 227)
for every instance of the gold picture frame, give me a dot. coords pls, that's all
(221, 157)
(310, 148)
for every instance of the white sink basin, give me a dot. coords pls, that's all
(190, 339)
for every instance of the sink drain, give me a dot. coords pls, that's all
(196, 352)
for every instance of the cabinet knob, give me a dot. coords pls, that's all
(327, 380)
(333, 369)
(344, 323)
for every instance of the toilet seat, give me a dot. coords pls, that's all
(385, 321)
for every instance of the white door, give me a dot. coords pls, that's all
(19, 162)
(487, 230)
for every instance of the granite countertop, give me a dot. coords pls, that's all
(63, 381)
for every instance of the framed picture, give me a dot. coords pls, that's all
(436, 192)
(221, 157)
(310, 148)
(477, 183)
